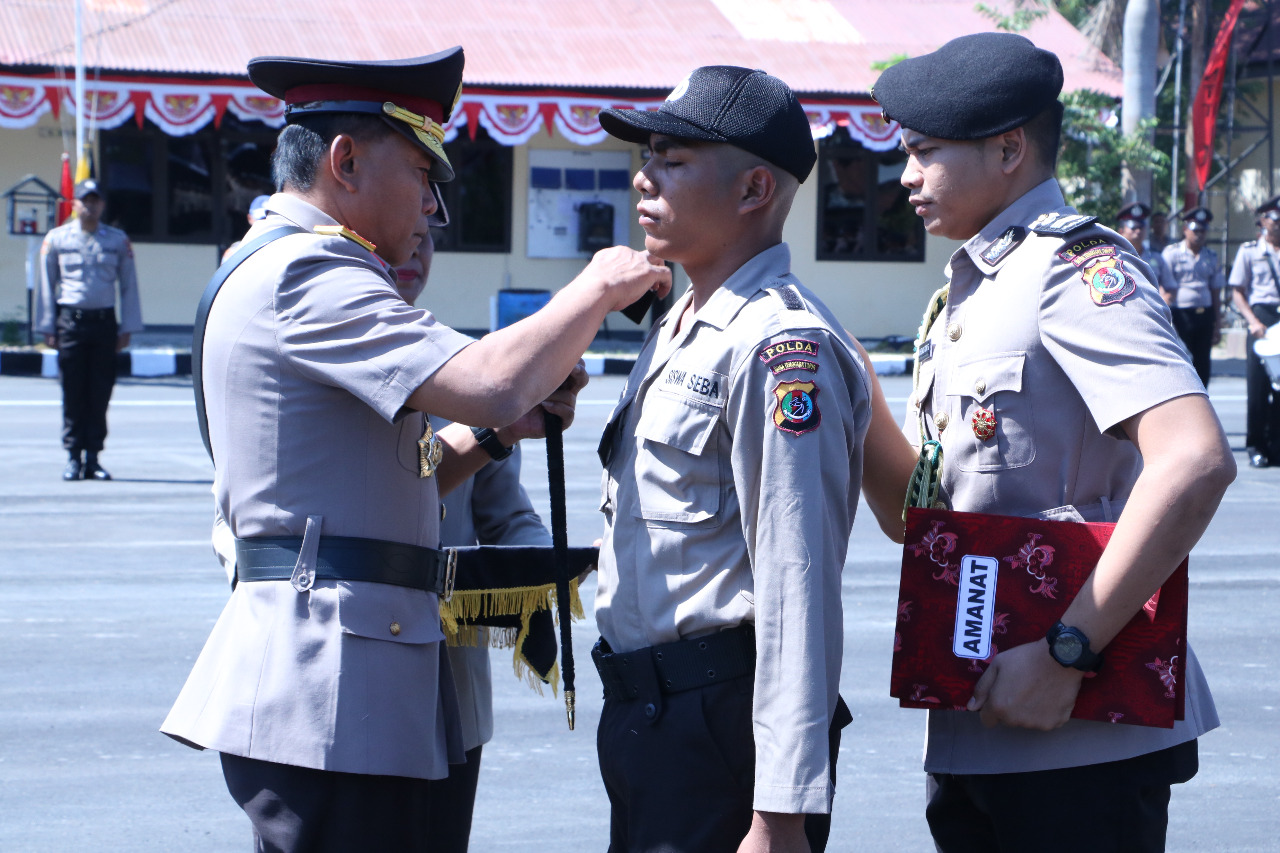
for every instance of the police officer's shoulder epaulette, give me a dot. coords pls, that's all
(343, 231)
(1060, 224)
(787, 295)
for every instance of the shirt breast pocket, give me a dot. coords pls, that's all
(678, 478)
(997, 431)
(70, 264)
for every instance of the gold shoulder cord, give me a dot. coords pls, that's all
(922, 488)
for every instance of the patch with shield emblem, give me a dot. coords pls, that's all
(796, 412)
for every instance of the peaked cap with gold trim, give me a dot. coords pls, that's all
(415, 96)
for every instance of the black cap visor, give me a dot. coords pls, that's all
(638, 125)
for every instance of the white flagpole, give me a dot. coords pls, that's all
(80, 78)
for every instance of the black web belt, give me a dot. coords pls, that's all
(682, 665)
(349, 558)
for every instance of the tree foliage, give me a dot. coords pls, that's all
(1093, 150)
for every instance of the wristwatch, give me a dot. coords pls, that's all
(1070, 647)
(488, 439)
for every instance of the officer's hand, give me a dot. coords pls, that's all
(122, 341)
(51, 341)
(772, 832)
(1256, 328)
(1026, 687)
(625, 274)
(561, 402)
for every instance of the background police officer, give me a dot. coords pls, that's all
(83, 262)
(1131, 224)
(1197, 292)
(1255, 292)
(1050, 375)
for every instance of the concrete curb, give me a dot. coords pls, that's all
(165, 361)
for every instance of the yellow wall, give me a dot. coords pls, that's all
(873, 299)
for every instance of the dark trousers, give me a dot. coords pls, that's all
(1195, 327)
(453, 799)
(87, 363)
(1262, 411)
(297, 809)
(679, 770)
(1114, 807)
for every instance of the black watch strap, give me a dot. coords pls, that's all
(1070, 647)
(488, 439)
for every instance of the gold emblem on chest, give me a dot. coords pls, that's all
(430, 451)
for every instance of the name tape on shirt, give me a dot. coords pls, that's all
(797, 410)
(705, 386)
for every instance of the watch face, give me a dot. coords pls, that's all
(1067, 647)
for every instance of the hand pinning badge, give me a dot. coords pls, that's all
(984, 423)
(430, 450)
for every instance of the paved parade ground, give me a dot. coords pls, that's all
(108, 590)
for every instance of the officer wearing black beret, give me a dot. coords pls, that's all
(1255, 292)
(1047, 345)
(324, 684)
(1196, 293)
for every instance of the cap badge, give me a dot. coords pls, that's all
(796, 413)
(984, 423)
(678, 92)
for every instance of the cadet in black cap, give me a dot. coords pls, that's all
(1195, 297)
(325, 683)
(1046, 344)
(1131, 224)
(721, 718)
(1255, 292)
(82, 263)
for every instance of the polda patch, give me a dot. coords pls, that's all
(791, 348)
(1102, 269)
(797, 410)
(783, 365)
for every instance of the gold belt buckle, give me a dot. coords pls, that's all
(450, 572)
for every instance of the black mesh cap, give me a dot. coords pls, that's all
(724, 103)
(972, 87)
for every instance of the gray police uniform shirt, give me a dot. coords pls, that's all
(733, 463)
(1193, 275)
(1162, 274)
(1256, 273)
(310, 356)
(82, 269)
(491, 508)
(1060, 363)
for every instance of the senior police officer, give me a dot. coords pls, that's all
(1195, 298)
(83, 262)
(1049, 330)
(1131, 224)
(324, 683)
(732, 462)
(1255, 292)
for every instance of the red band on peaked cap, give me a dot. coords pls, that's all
(342, 92)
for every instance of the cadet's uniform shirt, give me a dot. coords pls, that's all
(1254, 273)
(310, 355)
(733, 463)
(1160, 268)
(81, 269)
(1193, 275)
(1060, 364)
(491, 508)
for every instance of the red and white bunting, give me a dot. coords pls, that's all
(181, 107)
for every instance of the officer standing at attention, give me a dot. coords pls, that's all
(1199, 282)
(1131, 224)
(82, 263)
(325, 684)
(1050, 374)
(733, 462)
(1255, 291)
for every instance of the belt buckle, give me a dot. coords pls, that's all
(450, 572)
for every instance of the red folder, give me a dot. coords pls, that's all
(973, 584)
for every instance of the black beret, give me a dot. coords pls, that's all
(1272, 203)
(724, 103)
(1137, 212)
(972, 87)
(1198, 215)
(415, 96)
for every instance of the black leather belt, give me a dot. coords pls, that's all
(87, 313)
(682, 665)
(348, 558)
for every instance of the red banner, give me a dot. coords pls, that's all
(1204, 112)
(66, 190)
